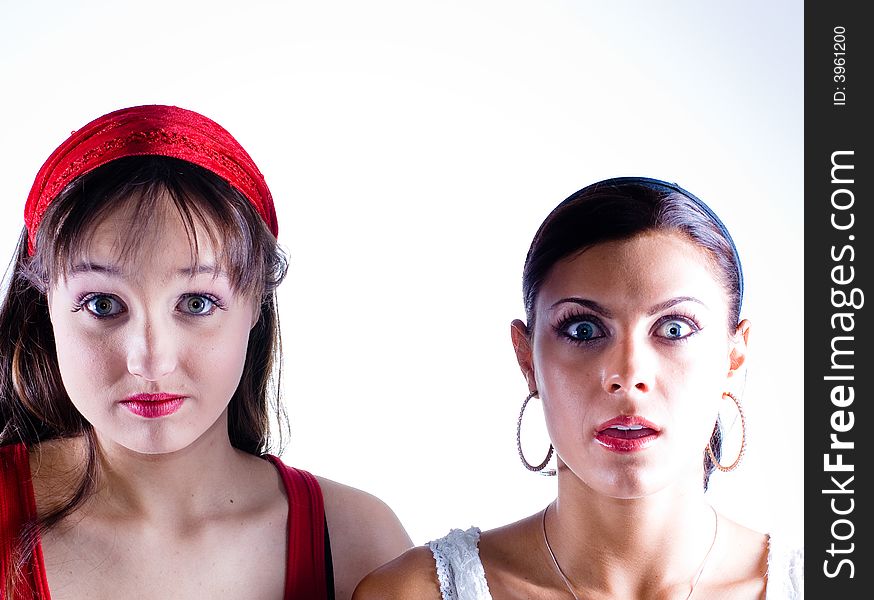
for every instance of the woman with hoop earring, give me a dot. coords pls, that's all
(633, 342)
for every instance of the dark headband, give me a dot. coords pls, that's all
(667, 187)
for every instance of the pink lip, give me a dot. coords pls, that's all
(612, 438)
(152, 406)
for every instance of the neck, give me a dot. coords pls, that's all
(190, 484)
(626, 545)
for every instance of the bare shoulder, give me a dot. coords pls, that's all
(506, 553)
(361, 517)
(411, 575)
(744, 558)
(365, 533)
(741, 536)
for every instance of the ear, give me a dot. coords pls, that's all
(257, 304)
(522, 348)
(253, 320)
(48, 298)
(739, 345)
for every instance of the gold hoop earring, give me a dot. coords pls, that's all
(743, 439)
(536, 468)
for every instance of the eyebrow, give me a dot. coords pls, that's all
(90, 267)
(200, 270)
(115, 271)
(590, 304)
(595, 307)
(673, 302)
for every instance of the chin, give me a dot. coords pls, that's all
(626, 490)
(150, 443)
(166, 436)
(157, 449)
(625, 484)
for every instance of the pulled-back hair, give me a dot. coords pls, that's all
(34, 405)
(617, 209)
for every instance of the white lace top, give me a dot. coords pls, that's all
(461, 574)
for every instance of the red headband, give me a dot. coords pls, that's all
(151, 130)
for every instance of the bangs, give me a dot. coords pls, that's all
(150, 189)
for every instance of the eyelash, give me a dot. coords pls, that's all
(561, 327)
(216, 303)
(85, 298)
(684, 317)
(565, 322)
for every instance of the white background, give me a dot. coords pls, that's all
(413, 147)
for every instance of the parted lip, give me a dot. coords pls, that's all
(157, 397)
(628, 421)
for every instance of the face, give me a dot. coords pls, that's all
(150, 349)
(630, 356)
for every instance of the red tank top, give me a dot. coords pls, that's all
(305, 572)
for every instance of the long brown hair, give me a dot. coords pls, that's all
(35, 407)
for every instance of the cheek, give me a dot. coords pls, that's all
(217, 359)
(85, 359)
(695, 387)
(568, 382)
(559, 365)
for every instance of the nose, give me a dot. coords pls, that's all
(629, 366)
(151, 350)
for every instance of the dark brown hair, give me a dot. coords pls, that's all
(34, 406)
(617, 209)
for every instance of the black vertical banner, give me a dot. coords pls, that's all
(838, 364)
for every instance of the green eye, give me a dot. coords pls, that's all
(196, 304)
(103, 306)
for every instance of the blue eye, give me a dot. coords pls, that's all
(582, 330)
(675, 329)
(103, 306)
(196, 304)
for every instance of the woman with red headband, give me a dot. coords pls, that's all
(139, 349)
(634, 344)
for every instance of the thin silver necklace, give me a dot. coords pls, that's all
(568, 583)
